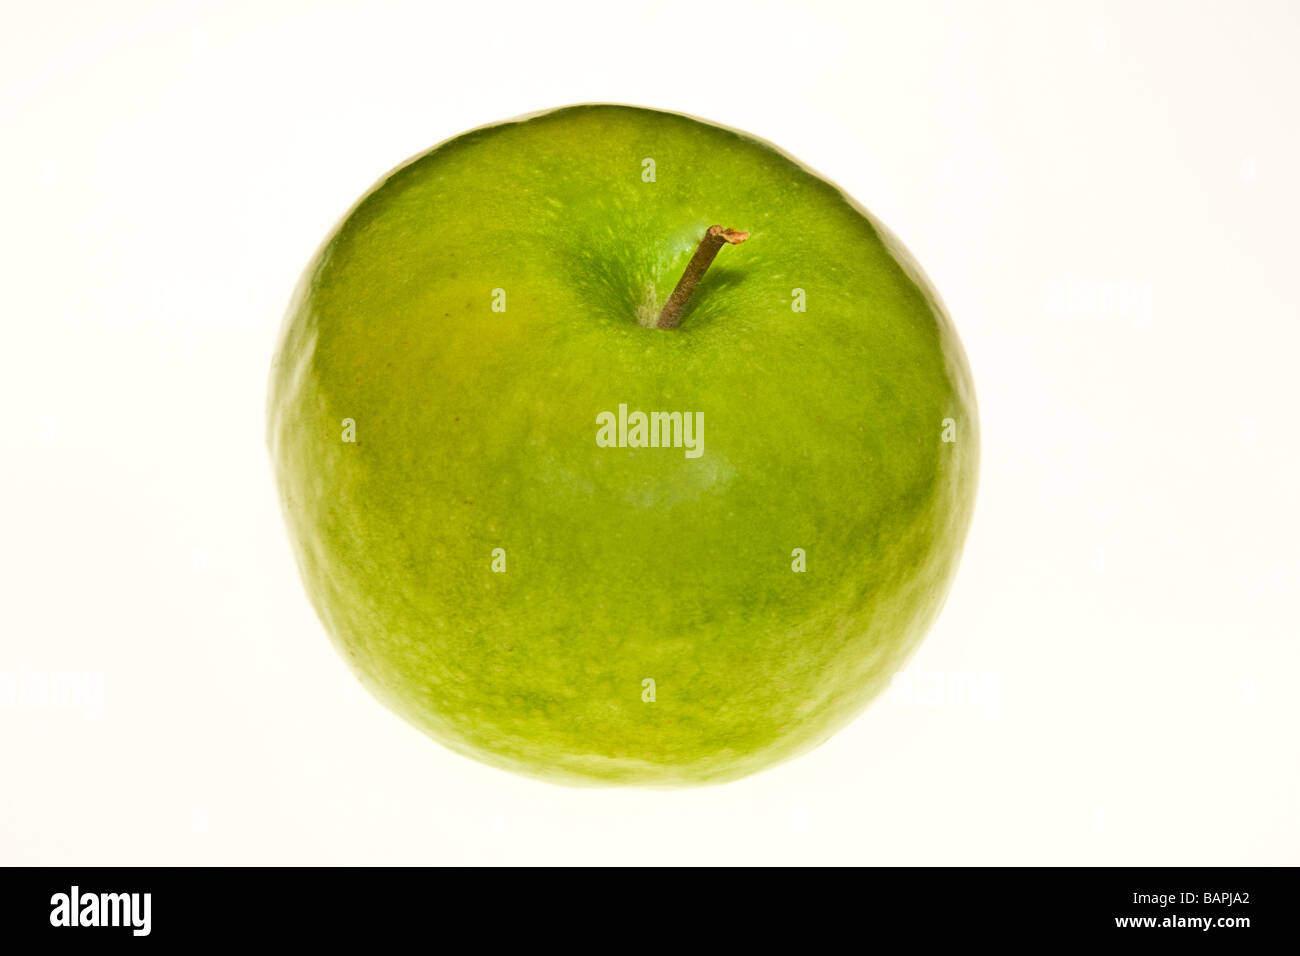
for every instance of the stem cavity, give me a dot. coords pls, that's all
(714, 239)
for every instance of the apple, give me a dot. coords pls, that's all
(582, 501)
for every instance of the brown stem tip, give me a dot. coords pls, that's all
(714, 239)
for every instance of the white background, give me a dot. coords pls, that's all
(1105, 195)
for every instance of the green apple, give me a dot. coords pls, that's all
(577, 530)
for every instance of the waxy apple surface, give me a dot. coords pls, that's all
(592, 613)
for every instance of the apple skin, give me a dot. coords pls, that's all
(475, 430)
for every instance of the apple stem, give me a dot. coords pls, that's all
(714, 239)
